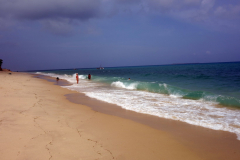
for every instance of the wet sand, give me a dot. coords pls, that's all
(40, 120)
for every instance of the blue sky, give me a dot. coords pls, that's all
(54, 34)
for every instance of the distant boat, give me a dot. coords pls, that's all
(100, 67)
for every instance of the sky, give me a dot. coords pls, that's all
(64, 34)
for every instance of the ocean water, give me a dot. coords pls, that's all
(206, 95)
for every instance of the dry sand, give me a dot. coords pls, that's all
(37, 122)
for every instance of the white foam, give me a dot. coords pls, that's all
(164, 85)
(196, 112)
(175, 95)
(126, 85)
(69, 78)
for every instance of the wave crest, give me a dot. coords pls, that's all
(124, 85)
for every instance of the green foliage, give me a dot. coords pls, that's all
(1, 61)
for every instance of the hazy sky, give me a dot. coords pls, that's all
(54, 34)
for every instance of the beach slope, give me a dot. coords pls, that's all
(38, 122)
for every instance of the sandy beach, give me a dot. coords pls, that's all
(43, 121)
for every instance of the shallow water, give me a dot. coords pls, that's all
(206, 95)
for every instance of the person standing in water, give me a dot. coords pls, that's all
(77, 78)
(89, 76)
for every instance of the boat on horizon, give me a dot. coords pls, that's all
(100, 67)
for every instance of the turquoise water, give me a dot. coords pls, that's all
(207, 95)
(218, 82)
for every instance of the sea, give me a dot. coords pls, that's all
(206, 95)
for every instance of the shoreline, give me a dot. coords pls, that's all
(207, 140)
(39, 121)
(201, 140)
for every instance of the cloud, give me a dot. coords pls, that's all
(228, 12)
(5, 24)
(56, 16)
(59, 27)
(59, 15)
(217, 15)
(49, 9)
(128, 1)
(213, 14)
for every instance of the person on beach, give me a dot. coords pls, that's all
(89, 76)
(57, 79)
(77, 78)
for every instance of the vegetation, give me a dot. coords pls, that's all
(1, 61)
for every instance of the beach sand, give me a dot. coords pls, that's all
(40, 120)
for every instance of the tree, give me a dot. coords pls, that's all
(1, 61)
